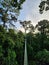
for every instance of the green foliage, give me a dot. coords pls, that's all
(1, 54)
(12, 46)
(11, 6)
(42, 56)
(2, 30)
(7, 54)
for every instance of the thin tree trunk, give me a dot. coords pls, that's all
(25, 52)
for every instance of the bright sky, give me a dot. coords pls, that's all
(30, 11)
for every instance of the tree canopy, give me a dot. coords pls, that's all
(9, 10)
(44, 5)
(12, 43)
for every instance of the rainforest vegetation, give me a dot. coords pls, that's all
(12, 42)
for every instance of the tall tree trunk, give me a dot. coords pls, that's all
(25, 52)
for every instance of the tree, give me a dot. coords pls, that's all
(43, 27)
(31, 28)
(20, 47)
(18, 39)
(9, 10)
(42, 57)
(30, 51)
(44, 5)
(7, 53)
(25, 26)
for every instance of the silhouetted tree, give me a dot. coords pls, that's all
(44, 5)
(25, 25)
(43, 27)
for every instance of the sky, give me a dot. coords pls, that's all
(30, 11)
